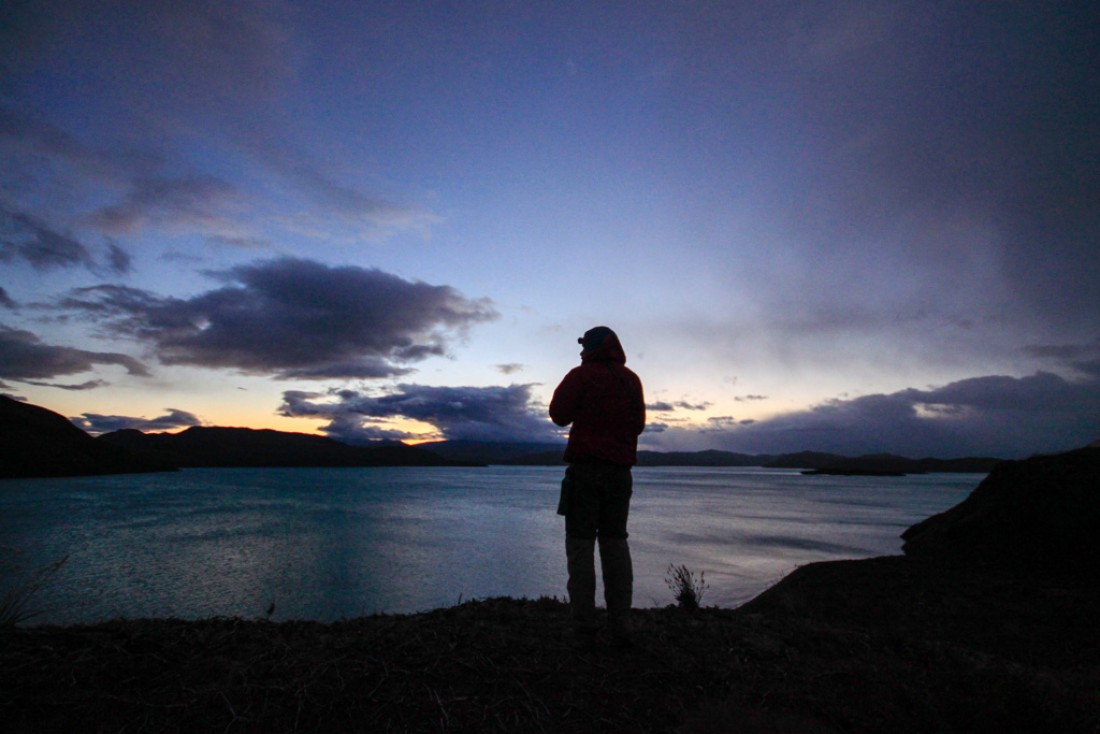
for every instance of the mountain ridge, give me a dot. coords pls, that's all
(37, 442)
(216, 446)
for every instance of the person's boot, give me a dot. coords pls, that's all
(579, 553)
(618, 587)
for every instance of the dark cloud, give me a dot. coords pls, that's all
(89, 385)
(118, 259)
(1089, 367)
(96, 423)
(476, 413)
(999, 416)
(509, 369)
(6, 300)
(292, 318)
(23, 356)
(720, 423)
(23, 237)
(1083, 357)
(667, 407)
(26, 238)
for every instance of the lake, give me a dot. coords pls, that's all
(327, 544)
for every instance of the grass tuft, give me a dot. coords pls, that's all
(15, 604)
(687, 591)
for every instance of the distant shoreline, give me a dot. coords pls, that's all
(41, 443)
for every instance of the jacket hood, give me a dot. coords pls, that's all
(601, 344)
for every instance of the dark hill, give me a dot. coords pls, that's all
(35, 442)
(1024, 546)
(247, 447)
(1043, 512)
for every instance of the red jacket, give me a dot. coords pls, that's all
(604, 402)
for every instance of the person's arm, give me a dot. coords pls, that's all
(640, 411)
(566, 401)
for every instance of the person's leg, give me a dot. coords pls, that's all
(581, 522)
(615, 561)
(618, 582)
(579, 554)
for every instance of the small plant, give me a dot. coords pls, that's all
(685, 588)
(15, 603)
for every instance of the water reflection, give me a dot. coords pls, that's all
(332, 543)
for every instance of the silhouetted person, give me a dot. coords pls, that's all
(604, 402)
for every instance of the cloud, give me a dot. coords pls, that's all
(52, 176)
(6, 300)
(89, 385)
(28, 239)
(719, 423)
(667, 407)
(30, 140)
(24, 357)
(1083, 358)
(904, 185)
(96, 423)
(338, 204)
(509, 369)
(118, 259)
(475, 413)
(999, 416)
(189, 203)
(165, 72)
(292, 318)
(25, 238)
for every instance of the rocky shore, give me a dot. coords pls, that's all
(988, 623)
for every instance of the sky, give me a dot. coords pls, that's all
(843, 226)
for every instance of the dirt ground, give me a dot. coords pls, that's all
(880, 645)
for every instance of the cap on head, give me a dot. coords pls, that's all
(594, 337)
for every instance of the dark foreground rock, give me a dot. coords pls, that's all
(928, 642)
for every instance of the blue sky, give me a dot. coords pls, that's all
(840, 226)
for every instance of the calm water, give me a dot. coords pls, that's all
(332, 543)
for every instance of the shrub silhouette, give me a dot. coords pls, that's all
(684, 587)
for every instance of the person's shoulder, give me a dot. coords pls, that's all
(575, 373)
